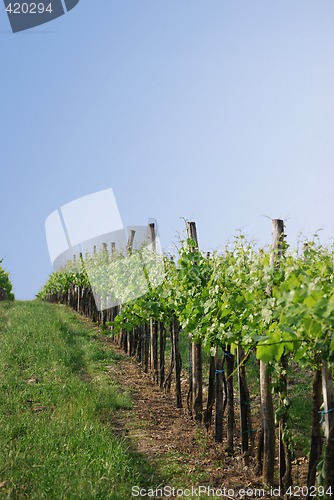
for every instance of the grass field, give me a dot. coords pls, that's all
(55, 398)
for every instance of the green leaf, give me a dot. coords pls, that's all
(265, 353)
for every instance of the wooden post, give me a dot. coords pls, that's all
(207, 414)
(328, 417)
(190, 376)
(162, 347)
(130, 342)
(168, 379)
(268, 426)
(177, 362)
(146, 347)
(78, 298)
(219, 400)
(230, 399)
(285, 457)
(268, 419)
(316, 439)
(153, 322)
(153, 236)
(246, 425)
(278, 239)
(142, 341)
(130, 240)
(154, 349)
(196, 353)
(327, 391)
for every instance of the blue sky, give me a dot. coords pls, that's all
(218, 111)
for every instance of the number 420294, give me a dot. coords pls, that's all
(28, 8)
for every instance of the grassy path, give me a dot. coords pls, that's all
(56, 398)
(79, 420)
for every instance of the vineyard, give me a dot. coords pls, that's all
(275, 306)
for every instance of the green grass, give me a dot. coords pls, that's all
(55, 400)
(300, 392)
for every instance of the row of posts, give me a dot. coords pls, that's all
(218, 381)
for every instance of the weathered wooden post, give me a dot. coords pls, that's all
(125, 335)
(153, 322)
(196, 353)
(267, 407)
(285, 457)
(131, 238)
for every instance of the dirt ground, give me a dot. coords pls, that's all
(182, 452)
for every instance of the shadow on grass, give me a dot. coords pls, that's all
(74, 358)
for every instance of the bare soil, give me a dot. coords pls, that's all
(182, 452)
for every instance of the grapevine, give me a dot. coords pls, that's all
(235, 302)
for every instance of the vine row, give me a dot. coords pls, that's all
(274, 304)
